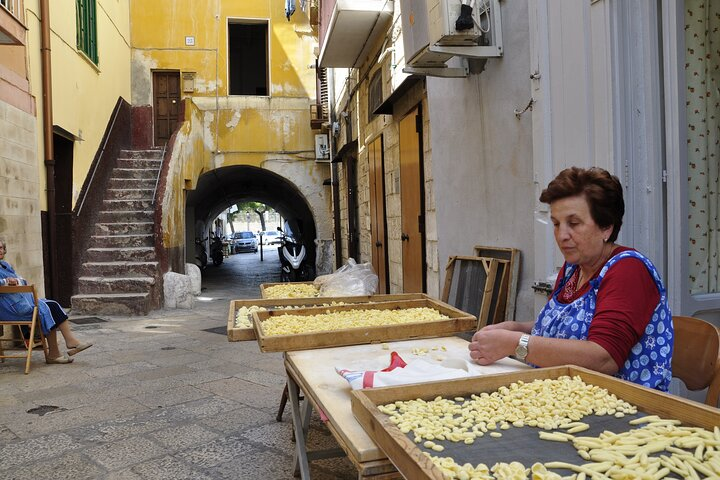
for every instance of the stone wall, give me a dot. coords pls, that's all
(19, 193)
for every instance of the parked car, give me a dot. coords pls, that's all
(244, 242)
(271, 237)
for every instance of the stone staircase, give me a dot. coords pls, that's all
(119, 274)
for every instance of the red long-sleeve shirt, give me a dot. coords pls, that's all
(626, 300)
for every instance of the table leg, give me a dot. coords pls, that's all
(300, 427)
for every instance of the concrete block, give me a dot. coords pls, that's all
(178, 291)
(193, 271)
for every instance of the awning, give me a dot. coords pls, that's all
(354, 27)
(386, 107)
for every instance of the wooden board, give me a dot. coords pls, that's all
(412, 463)
(459, 321)
(511, 277)
(476, 285)
(264, 286)
(314, 371)
(238, 334)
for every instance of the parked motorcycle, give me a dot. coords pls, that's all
(216, 251)
(293, 259)
(200, 253)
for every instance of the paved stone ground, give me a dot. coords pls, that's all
(164, 397)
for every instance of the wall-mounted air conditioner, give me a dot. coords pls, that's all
(430, 36)
(322, 148)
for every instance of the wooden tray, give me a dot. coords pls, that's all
(264, 286)
(459, 321)
(238, 334)
(412, 463)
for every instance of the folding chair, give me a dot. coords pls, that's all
(696, 356)
(33, 323)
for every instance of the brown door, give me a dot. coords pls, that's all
(166, 92)
(352, 209)
(378, 232)
(412, 203)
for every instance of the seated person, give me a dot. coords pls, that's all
(608, 311)
(19, 306)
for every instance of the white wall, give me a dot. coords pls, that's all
(482, 156)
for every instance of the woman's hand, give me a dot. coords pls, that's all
(489, 345)
(12, 281)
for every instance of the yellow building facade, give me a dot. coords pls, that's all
(245, 117)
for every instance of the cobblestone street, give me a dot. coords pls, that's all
(164, 397)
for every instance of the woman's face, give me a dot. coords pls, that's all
(2, 251)
(577, 235)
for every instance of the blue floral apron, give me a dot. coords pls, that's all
(649, 363)
(19, 306)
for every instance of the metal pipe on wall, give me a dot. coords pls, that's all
(49, 155)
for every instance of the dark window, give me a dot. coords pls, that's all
(87, 28)
(375, 97)
(248, 52)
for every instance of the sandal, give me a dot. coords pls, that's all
(62, 359)
(78, 348)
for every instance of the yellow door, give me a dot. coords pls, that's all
(413, 203)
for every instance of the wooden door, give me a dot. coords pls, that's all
(352, 209)
(412, 203)
(378, 230)
(166, 103)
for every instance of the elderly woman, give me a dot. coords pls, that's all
(52, 317)
(608, 310)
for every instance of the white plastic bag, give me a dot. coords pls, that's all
(351, 279)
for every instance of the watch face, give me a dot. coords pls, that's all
(521, 352)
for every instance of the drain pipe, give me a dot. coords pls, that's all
(48, 141)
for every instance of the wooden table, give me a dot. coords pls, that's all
(313, 373)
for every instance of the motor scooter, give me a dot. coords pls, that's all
(201, 254)
(216, 250)
(293, 259)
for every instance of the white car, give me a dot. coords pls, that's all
(271, 237)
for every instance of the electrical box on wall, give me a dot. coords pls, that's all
(431, 36)
(322, 148)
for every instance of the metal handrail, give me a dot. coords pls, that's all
(102, 151)
(157, 180)
(11, 6)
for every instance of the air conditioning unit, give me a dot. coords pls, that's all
(431, 39)
(322, 148)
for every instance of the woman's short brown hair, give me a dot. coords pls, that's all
(603, 192)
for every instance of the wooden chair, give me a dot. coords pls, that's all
(696, 356)
(33, 323)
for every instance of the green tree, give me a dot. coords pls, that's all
(257, 207)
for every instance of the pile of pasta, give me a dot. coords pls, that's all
(289, 324)
(291, 290)
(655, 448)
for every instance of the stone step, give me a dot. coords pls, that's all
(128, 254)
(126, 205)
(129, 216)
(88, 285)
(111, 304)
(129, 193)
(124, 228)
(119, 269)
(139, 163)
(131, 183)
(122, 241)
(137, 173)
(151, 153)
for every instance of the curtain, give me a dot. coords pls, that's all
(702, 73)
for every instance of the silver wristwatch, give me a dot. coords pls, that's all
(521, 351)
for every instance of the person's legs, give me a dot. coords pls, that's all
(71, 340)
(53, 350)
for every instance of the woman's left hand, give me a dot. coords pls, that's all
(12, 281)
(490, 345)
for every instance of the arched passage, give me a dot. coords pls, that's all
(223, 187)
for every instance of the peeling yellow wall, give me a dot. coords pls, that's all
(84, 94)
(223, 130)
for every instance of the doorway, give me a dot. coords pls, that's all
(63, 153)
(412, 200)
(352, 209)
(378, 228)
(166, 104)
